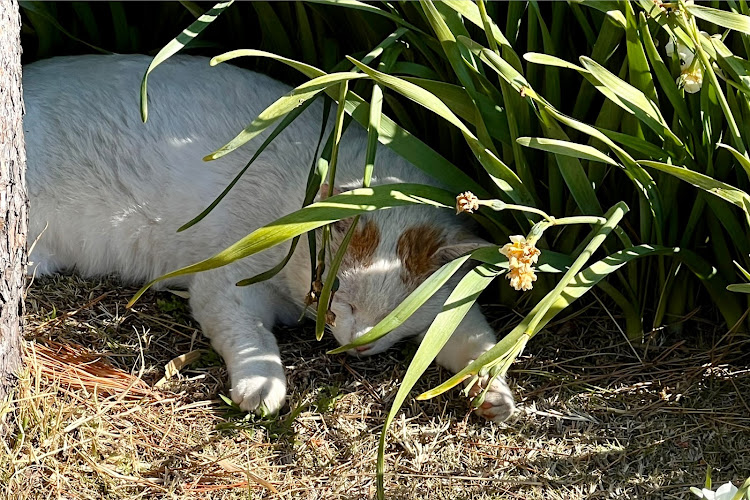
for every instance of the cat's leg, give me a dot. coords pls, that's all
(238, 320)
(472, 338)
(41, 263)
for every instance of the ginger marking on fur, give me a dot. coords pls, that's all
(363, 244)
(416, 248)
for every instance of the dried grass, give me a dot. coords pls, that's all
(595, 422)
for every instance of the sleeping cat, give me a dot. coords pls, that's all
(108, 193)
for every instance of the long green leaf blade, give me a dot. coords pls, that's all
(341, 206)
(566, 148)
(458, 304)
(175, 45)
(281, 107)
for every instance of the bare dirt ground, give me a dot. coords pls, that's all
(597, 418)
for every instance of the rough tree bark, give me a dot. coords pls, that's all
(13, 200)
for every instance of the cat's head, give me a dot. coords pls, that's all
(390, 254)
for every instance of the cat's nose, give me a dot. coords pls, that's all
(363, 348)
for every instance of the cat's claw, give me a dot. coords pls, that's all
(498, 403)
(262, 395)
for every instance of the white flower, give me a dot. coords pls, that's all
(725, 492)
(691, 81)
(683, 52)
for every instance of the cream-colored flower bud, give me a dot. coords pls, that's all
(466, 202)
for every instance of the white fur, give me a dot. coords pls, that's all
(112, 191)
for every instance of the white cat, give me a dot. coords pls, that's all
(112, 191)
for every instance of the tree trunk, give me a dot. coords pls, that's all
(13, 200)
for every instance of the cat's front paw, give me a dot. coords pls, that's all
(498, 403)
(262, 394)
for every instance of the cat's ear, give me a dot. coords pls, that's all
(459, 244)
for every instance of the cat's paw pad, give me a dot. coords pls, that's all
(498, 403)
(262, 395)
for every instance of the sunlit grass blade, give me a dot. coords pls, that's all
(281, 107)
(458, 101)
(566, 148)
(390, 134)
(581, 284)
(470, 11)
(376, 115)
(635, 144)
(289, 118)
(408, 306)
(325, 294)
(610, 8)
(455, 309)
(175, 45)
(267, 275)
(550, 60)
(634, 100)
(734, 130)
(639, 71)
(664, 77)
(731, 20)
(567, 289)
(741, 159)
(549, 262)
(635, 172)
(341, 206)
(505, 178)
(571, 170)
(709, 184)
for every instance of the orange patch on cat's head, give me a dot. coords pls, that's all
(417, 247)
(363, 244)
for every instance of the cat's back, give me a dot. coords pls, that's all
(89, 106)
(111, 191)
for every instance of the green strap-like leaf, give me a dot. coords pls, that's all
(408, 306)
(566, 148)
(635, 172)
(708, 184)
(730, 20)
(549, 60)
(470, 11)
(341, 206)
(505, 178)
(289, 118)
(577, 287)
(325, 294)
(741, 159)
(455, 309)
(281, 107)
(390, 134)
(638, 69)
(176, 44)
(631, 99)
(549, 262)
(666, 82)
